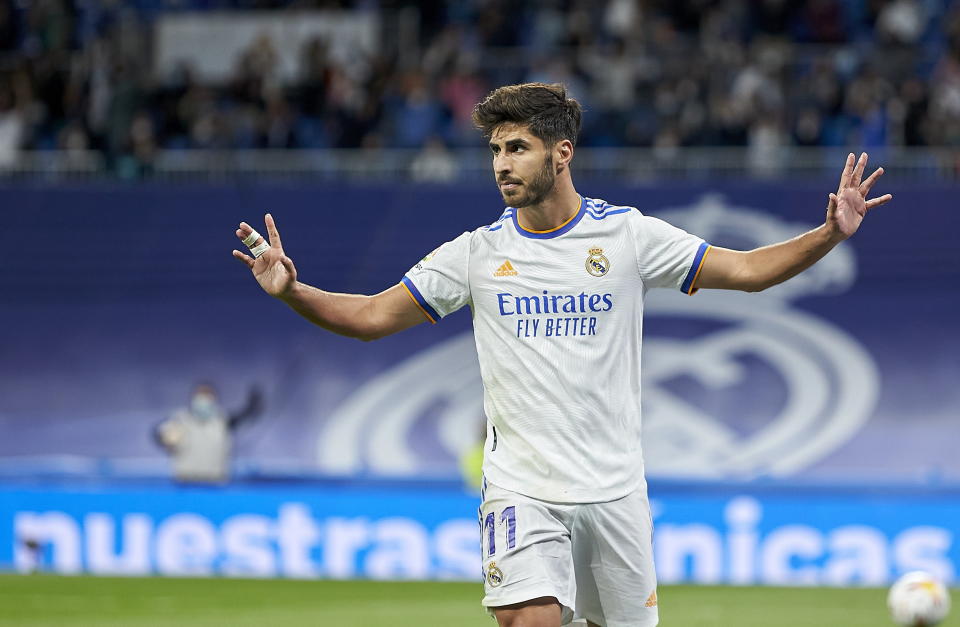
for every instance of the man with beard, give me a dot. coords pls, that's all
(557, 286)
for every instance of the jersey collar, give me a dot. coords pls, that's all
(554, 232)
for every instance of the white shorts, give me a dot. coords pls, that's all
(595, 558)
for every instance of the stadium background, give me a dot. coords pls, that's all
(802, 436)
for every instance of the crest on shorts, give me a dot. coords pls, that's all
(597, 263)
(494, 575)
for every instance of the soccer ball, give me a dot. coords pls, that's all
(917, 599)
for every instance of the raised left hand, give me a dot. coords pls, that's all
(273, 270)
(846, 208)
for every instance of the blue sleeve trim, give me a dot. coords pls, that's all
(420, 300)
(688, 283)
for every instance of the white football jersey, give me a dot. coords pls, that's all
(558, 319)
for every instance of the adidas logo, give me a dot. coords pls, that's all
(651, 600)
(506, 270)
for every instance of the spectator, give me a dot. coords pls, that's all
(12, 127)
(199, 437)
(417, 115)
(709, 72)
(459, 93)
(901, 22)
(433, 164)
(8, 26)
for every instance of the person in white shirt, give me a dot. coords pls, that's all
(556, 286)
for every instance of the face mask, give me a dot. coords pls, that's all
(203, 406)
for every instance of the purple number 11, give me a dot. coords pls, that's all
(509, 516)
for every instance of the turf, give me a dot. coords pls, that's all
(34, 601)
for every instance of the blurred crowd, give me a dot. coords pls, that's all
(78, 75)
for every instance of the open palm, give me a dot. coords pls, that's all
(846, 208)
(273, 270)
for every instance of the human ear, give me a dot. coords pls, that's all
(564, 153)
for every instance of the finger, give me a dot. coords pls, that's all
(876, 202)
(288, 264)
(243, 235)
(244, 232)
(831, 202)
(272, 231)
(858, 171)
(246, 259)
(847, 172)
(866, 185)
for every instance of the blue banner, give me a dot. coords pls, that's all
(732, 535)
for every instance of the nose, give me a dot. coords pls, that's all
(501, 165)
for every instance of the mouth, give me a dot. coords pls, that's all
(509, 185)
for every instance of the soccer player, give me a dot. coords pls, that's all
(557, 286)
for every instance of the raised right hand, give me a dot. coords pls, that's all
(273, 270)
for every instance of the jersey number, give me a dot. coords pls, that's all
(508, 516)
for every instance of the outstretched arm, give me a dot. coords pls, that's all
(758, 269)
(249, 411)
(363, 317)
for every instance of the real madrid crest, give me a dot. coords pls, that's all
(494, 575)
(597, 263)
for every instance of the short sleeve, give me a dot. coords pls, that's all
(439, 283)
(666, 255)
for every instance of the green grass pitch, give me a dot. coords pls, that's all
(43, 600)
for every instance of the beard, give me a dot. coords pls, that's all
(534, 192)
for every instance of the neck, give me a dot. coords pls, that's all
(561, 204)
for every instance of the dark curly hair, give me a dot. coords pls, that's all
(544, 109)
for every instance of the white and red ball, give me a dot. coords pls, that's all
(918, 599)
